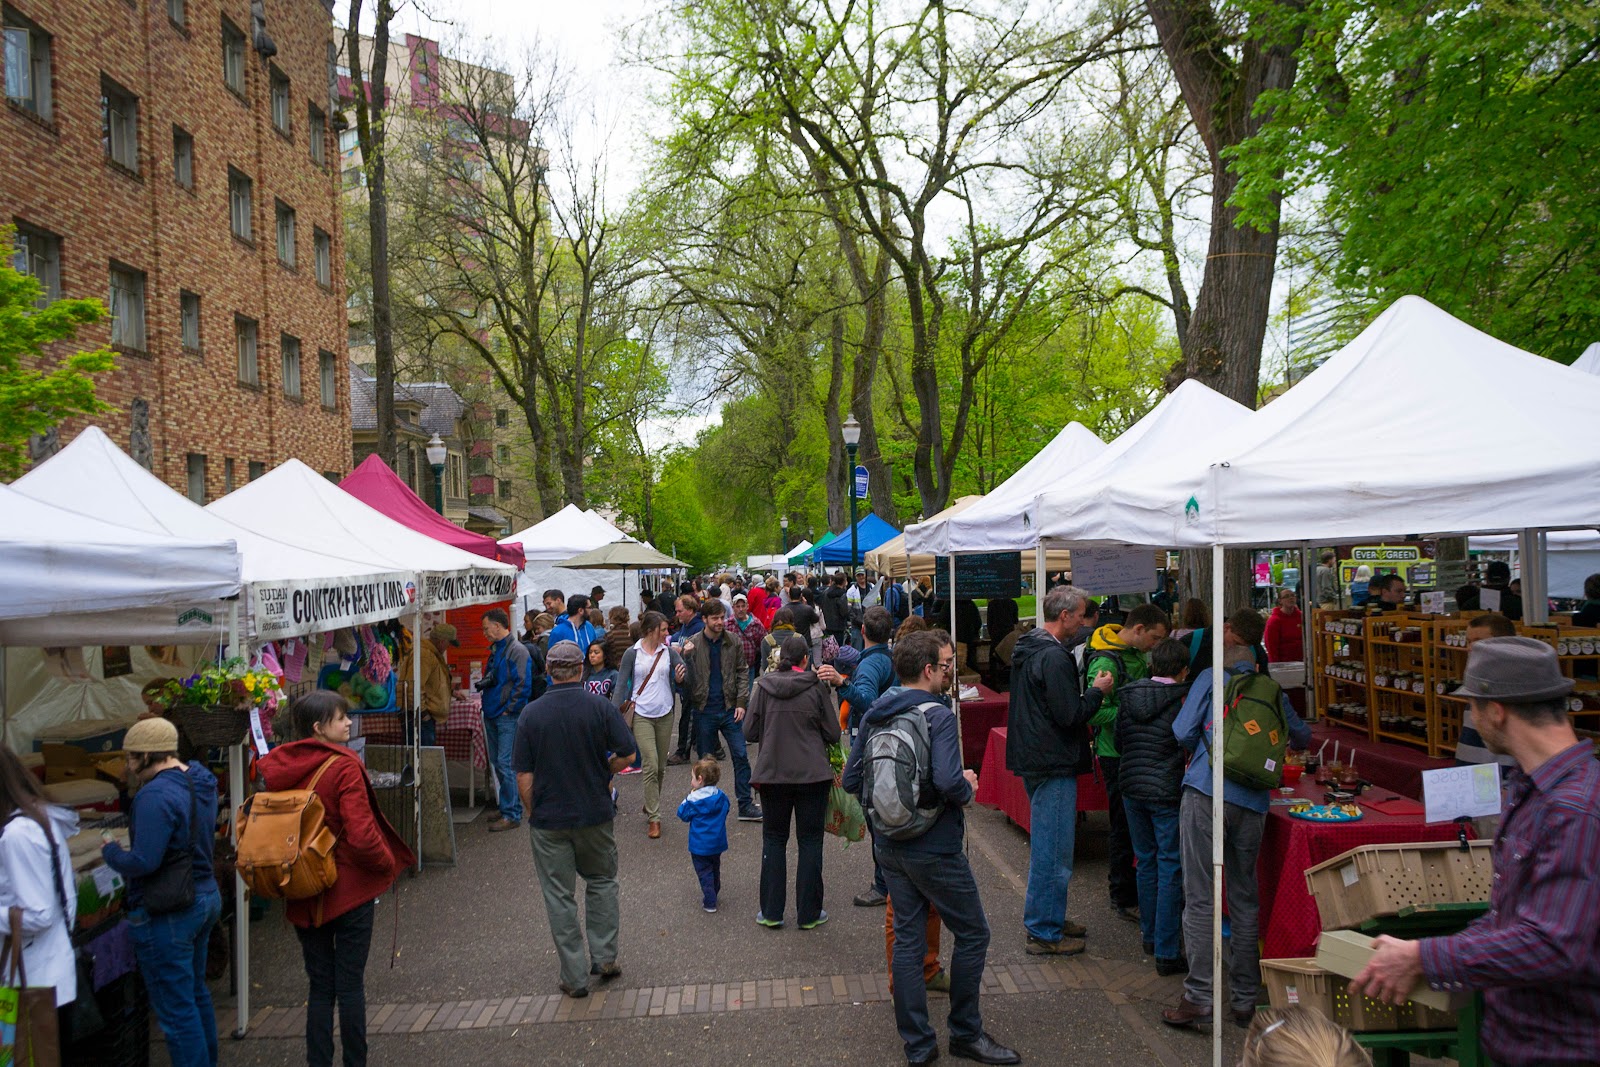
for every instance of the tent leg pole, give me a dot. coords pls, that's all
(1306, 636)
(956, 679)
(1218, 990)
(416, 733)
(1038, 584)
(1532, 547)
(241, 906)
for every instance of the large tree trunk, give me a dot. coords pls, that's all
(1194, 578)
(880, 489)
(838, 505)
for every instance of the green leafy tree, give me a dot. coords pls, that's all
(1455, 152)
(33, 400)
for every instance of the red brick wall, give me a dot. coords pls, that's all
(58, 179)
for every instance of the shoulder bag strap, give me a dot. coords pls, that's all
(1194, 642)
(16, 968)
(651, 673)
(315, 778)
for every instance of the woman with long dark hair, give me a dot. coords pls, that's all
(335, 927)
(35, 869)
(792, 718)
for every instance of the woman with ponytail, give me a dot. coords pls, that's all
(792, 719)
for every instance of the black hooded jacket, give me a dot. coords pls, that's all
(1048, 722)
(1152, 760)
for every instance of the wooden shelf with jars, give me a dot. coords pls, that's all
(1339, 651)
(1400, 666)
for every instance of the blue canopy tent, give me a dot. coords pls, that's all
(871, 532)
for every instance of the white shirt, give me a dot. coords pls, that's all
(856, 599)
(654, 700)
(26, 883)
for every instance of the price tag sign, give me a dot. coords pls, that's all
(1461, 792)
(256, 733)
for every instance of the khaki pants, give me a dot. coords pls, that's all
(654, 737)
(561, 857)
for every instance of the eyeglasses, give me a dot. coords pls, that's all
(947, 665)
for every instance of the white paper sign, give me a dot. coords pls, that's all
(1489, 599)
(1456, 792)
(1433, 602)
(106, 881)
(256, 733)
(1114, 570)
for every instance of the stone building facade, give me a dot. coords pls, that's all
(178, 159)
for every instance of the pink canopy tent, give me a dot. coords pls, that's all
(376, 485)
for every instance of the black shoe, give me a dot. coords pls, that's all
(983, 1049)
(1129, 912)
(870, 899)
(607, 972)
(929, 1058)
(1243, 1019)
(750, 813)
(1149, 948)
(1168, 968)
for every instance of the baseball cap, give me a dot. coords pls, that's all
(445, 632)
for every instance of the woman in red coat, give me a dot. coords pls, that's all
(1285, 637)
(335, 928)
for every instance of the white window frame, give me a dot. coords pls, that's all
(247, 343)
(38, 255)
(317, 134)
(178, 12)
(233, 73)
(285, 232)
(322, 254)
(328, 375)
(241, 203)
(29, 56)
(289, 357)
(127, 306)
(228, 475)
(279, 96)
(189, 320)
(119, 124)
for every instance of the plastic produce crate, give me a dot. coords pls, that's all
(1300, 981)
(1375, 881)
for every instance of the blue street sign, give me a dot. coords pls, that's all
(861, 483)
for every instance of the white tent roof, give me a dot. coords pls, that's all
(565, 534)
(993, 524)
(61, 571)
(294, 505)
(93, 477)
(1379, 440)
(1589, 362)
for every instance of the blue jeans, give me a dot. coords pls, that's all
(916, 880)
(1153, 828)
(499, 733)
(171, 952)
(1051, 841)
(707, 724)
(708, 869)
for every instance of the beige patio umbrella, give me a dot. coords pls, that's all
(622, 555)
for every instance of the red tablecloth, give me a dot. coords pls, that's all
(978, 717)
(1289, 920)
(1387, 764)
(461, 736)
(999, 788)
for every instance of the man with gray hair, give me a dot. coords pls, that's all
(1048, 747)
(569, 743)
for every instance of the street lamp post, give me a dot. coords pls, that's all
(852, 441)
(437, 452)
(784, 522)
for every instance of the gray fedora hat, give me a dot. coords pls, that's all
(1513, 670)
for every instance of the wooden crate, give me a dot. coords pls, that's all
(1374, 881)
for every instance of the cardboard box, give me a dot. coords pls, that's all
(69, 763)
(1346, 953)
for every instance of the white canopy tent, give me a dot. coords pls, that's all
(569, 532)
(1589, 362)
(1572, 555)
(1351, 453)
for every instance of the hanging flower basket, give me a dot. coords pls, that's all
(211, 725)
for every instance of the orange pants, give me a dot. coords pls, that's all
(930, 962)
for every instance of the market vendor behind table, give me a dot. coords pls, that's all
(1536, 953)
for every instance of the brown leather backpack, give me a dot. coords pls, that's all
(285, 846)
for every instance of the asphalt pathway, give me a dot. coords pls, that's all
(475, 978)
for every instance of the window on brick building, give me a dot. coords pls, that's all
(322, 246)
(119, 124)
(455, 477)
(244, 336)
(502, 418)
(317, 134)
(285, 215)
(227, 476)
(328, 369)
(178, 12)
(28, 66)
(239, 203)
(197, 477)
(257, 470)
(232, 57)
(38, 254)
(349, 139)
(279, 82)
(182, 157)
(504, 487)
(290, 348)
(189, 320)
(127, 307)
(502, 453)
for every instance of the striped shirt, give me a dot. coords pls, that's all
(1536, 953)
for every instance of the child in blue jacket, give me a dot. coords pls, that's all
(705, 809)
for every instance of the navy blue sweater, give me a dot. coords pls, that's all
(159, 819)
(944, 838)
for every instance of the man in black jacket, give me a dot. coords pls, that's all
(836, 608)
(1048, 747)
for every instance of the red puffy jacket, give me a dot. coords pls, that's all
(369, 852)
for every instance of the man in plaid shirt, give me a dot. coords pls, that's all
(750, 632)
(1535, 954)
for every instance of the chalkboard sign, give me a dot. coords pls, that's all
(981, 577)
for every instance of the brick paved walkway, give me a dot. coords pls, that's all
(1131, 980)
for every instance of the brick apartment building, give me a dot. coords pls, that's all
(152, 156)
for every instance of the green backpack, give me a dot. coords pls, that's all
(1255, 733)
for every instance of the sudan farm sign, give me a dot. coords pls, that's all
(302, 606)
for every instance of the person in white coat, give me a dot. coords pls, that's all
(29, 826)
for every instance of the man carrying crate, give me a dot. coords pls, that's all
(1535, 954)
